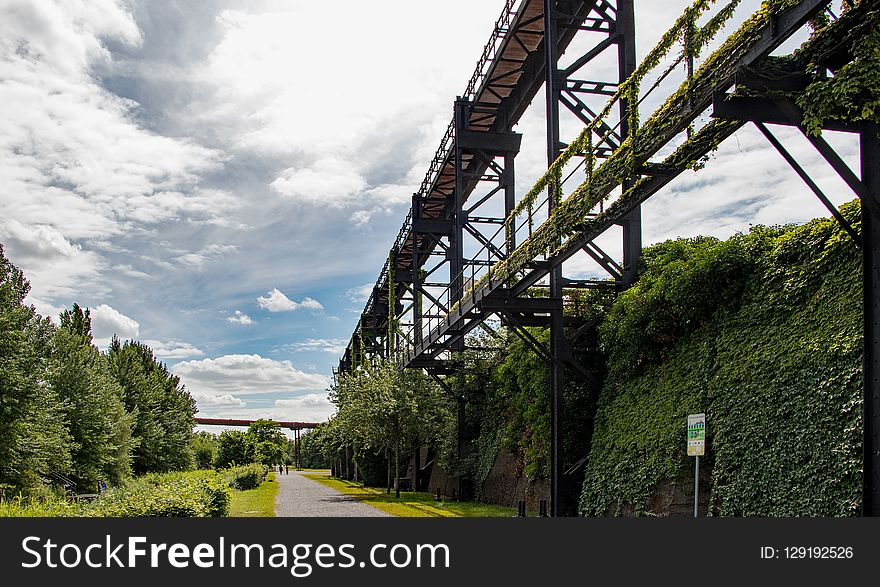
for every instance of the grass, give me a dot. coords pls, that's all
(255, 503)
(413, 504)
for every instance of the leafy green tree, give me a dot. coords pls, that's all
(162, 408)
(311, 450)
(205, 446)
(384, 409)
(267, 442)
(233, 448)
(34, 440)
(98, 422)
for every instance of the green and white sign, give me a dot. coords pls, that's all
(696, 435)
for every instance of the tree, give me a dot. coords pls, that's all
(233, 448)
(311, 448)
(98, 423)
(162, 408)
(34, 440)
(204, 446)
(385, 409)
(267, 442)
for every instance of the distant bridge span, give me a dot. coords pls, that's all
(234, 422)
(297, 427)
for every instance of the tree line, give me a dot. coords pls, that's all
(75, 416)
(263, 443)
(383, 415)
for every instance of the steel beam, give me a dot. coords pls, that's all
(870, 164)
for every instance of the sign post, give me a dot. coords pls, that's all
(696, 447)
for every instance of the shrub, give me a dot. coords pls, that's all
(23, 507)
(186, 495)
(191, 494)
(246, 476)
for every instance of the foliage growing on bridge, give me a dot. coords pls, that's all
(855, 96)
(763, 333)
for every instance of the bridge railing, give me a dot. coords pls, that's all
(598, 188)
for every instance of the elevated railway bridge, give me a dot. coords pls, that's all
(470, 251)
(297, 428)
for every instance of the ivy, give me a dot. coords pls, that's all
(853, 93)
(763, 333)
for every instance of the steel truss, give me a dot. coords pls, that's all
(441, 294)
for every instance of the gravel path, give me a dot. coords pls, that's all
(299, 496)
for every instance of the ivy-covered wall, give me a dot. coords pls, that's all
(762, 333)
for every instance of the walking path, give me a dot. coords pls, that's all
(299, 496)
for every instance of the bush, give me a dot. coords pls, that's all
(23, 507)
(199, 494)
(246, 476)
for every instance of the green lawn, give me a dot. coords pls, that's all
(413, 504)
(255, 503)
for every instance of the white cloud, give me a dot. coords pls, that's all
(173, 349)
(327, 182)
(199, 259)
(107, 321)
(76, 162)
(225, 400)
(334, 346)
(276, 301)
(311, 400)
(245, 374)
(362, 217)
(360, 293)
(310, 407)
(53, 264)
(239, 318)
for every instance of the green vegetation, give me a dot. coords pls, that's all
(162, 409)
(311, 449)
(245, 477)
(255, 503)
(71, 416)
(763, 333)
(262, 443)
(384, 410)
(412, 504)
(180, 494)
(204, 447)
(187, 494)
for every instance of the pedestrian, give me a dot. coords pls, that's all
(286, 469)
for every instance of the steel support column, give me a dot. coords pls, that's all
(455, 255)
(870, 163)
(626, 56)
(623, 34)
(553, 93)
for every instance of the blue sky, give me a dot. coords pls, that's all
(223, 179)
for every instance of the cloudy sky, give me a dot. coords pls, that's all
(222, 179)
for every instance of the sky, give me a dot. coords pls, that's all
(222, 179)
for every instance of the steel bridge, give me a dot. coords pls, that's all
(470, 252)
(297, 428)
